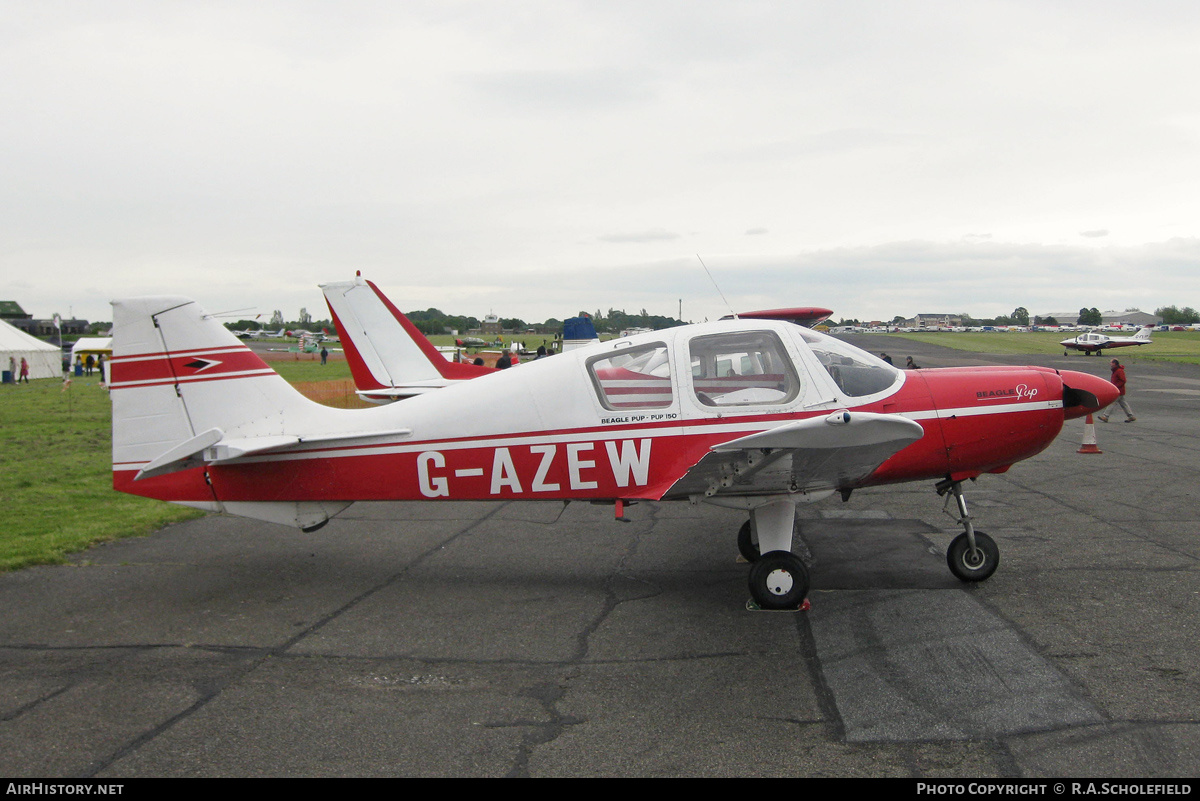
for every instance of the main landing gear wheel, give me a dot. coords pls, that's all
(975, 565)
(778, 580)
(747, 547)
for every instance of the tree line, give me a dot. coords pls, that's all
(1171, 315)
(435, 321)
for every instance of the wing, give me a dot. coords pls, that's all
(815, 455)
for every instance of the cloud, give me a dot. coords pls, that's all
(652, 235)
(542, 156)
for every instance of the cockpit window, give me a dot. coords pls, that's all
(635, 378)
(744, 368)
(856, 372)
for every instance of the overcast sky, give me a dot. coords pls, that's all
(539, 158)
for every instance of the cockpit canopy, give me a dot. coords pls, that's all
(734, 366)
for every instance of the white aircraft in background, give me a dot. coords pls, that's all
(1092, 342)
(389, 358)
(282, 333)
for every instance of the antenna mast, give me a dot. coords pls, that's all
(714, 283)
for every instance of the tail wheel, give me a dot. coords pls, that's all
(977, 565)
(778, 580)
(747, 547)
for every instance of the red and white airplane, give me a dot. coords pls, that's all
(757, 415)
(1091, 342)
(389, 357)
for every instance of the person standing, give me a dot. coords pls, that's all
(1118, 379)
(24, 371)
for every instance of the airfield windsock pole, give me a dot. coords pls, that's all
(1089, 437)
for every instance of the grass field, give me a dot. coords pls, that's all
(56, 464)
(56, 475)
(1168, 346)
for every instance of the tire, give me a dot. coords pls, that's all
(973, 567)
(747, 547)
(778, 580)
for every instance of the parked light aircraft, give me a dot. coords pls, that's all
(264, 334)
(388, 357)
(1092, 342)
(757, 415)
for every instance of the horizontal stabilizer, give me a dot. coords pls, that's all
(182, 456)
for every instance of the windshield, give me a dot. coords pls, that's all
(856, 372)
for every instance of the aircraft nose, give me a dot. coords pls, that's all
(1085, 394)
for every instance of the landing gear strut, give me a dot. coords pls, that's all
(972, 555)
(778, 579)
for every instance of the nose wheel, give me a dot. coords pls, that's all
(976, 564)
(972, 555)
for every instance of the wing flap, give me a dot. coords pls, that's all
(818, 454)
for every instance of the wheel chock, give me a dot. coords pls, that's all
(752, 606)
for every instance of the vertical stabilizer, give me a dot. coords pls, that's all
(389, 357)
(183, 387)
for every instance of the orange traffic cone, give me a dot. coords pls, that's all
(1089, 437)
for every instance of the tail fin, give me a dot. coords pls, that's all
(1143, 334)
(389, 358)
(187, 393)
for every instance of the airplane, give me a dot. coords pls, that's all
(255, 333)
(472, 342)
(389, 358)
(306, 344)
(264, 334)
(1092, 342)
(756, 415)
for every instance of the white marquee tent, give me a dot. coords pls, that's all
(45, 360)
